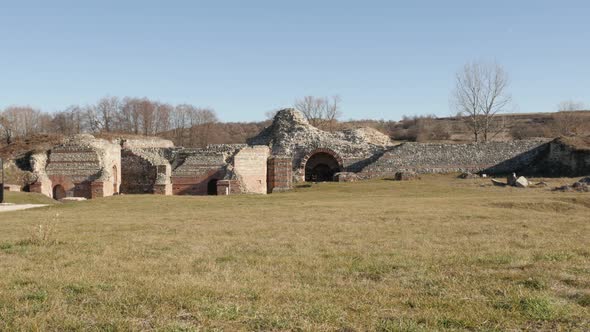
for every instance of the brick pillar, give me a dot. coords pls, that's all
(96, 189)
(280, 174)
(223, 187)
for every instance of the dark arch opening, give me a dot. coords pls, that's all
(59, 192)
(321, 167)
(212, 187)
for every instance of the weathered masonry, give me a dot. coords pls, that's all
(290, 150)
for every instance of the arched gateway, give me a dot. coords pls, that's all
(321, 165)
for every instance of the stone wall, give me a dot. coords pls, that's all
(196, 170)
(564, 157)
(81, 161)
(250, 166)
(292, 136)
(492, 157)
(138, 174)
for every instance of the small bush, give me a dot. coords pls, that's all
(43, 233)
(529, 130)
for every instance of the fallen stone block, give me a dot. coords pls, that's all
(406, 176)
(511, 180)
(498, 183)
(345, 177)
(468, 175)
(580, 186)
(521, 182)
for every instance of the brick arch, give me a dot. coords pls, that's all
(301, 168)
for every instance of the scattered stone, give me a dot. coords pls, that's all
(512, 179)
(406, 176)
(578, 186)
(72, 199)
(498, 183)
(468, 175)
(345, 177)
(564, 188)
(521, 182)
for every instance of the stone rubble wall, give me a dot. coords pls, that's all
(492, 158)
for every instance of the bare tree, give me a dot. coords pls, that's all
(201, 121)
(320, 112)
(69, 121)
(567, 120)
(7, 129)
(480, 96)
(103, 115)
(20, 121)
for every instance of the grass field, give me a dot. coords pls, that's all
(435, 254)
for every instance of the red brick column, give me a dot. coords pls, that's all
(97, 189)
(280, 174)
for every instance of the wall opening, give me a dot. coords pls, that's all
(212, 187)
(59, 192)
(321, 167)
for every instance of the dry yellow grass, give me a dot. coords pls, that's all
(435, 254)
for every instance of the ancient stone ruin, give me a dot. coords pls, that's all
(290, 150)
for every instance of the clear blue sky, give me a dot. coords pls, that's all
(243, 58)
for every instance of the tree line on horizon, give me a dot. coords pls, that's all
(480, 99)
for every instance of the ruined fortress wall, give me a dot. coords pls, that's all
(197, 169)
(250, 166)
(492, 157)
(138, 174)
(85, 167)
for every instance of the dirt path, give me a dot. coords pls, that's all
(16, 207)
